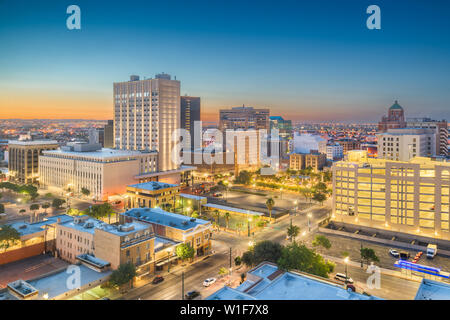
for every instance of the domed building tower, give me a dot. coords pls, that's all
(394, 120)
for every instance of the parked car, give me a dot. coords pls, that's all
(191, 295)
(209, 282)
(217, 194)
(394, 253)
(342, 277)
(404, 255)
(157, 279)
(351, 287)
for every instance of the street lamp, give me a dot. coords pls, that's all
(309, 221)
(346, 260)
(248, 226)
(296, 206)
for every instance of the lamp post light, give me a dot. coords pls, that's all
(248, 227)
(296, 206)
(346, 260)
(309, 221)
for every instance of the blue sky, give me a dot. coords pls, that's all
(307, 60)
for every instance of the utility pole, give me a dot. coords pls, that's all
(182, 285)
(361, 255)
(230, 259)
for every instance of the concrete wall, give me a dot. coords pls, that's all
(22, 253)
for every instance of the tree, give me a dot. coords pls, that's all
(22, 211)
(247, 258)
(227, 218)
(2, 208)
(237, 261)
(244, 177)
(123, 275)
(8, 237)
(369, 255)
(298, 257)
(223, 271)
(217, 214)
(321, 187)
(100, 211)
(57, 203)
(270, 204)
(307, 193)
(243, 277)
(293, 231)
(262, 251)
(45, 206)
(321, 241)
(185, 251)
(34, 207)
(85, 192)
(319, 197)
(73, 212)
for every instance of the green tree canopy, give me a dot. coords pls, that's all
(85, 191)
(321, 241)
(237, 261)
(293, 231)
(369, 255)
(123, 275)
(262, 251)
(319, 197)
(8, 237)
(244, 177)
(185, 251)
(270, 203)
(298, 257)
(2, 208)
(57, 203)
(34, 206)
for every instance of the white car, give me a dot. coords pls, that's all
(342, 277)
(209, 282)
(394, 253)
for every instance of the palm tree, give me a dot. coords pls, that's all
(227, 218)
(293, 231)
(217, 213)
(269, 204)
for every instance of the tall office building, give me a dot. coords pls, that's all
(440, 128)
(146, 113)
(190, 112)
(24, 156)
(108, 135)
(394, 120)
(406, 143)
(244, 118)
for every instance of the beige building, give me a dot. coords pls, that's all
(194, 232)
(244, 118)
(299, 161)
(151, 194)
(23, 164)
(404, 144)
(146, 113)
(103, 172)
(404, 196)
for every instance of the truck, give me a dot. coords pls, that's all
(431, 251)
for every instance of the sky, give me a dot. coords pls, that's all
(306, 60)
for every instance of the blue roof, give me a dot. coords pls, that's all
(168, 219)
(266, 282)
(433, 290)
(396, 106)
(153, 185)
(232, 209)
(25, 228)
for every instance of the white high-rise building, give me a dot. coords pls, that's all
(405, 144)
(146, 113)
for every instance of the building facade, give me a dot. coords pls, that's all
(103, 172)
(406, 196)
(394, 120)
(24, 156)
(189, 112)
(299, 161)
(108, 135)
(441, 132)
(146, 113)
(152, 194)
(334, 151)
(404, 144)
(244, 118)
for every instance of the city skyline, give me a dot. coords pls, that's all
(311, 62)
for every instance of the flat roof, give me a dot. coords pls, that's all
(168, 219)
(104, 153)
(220, 207)
(433, 290)
(161, 243)
(56, 284)
(267, 282)
(32, 142)
(193, 197)
(153, 185)
(25, 228)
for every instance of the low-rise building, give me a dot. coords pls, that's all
(315, 160)
(194, 232)
(152, 194)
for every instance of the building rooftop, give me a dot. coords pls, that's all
(433, 290)
(267, 282)
(161, 243)
(192, 197)
(25, 228)
(168, 219)
(153, 185)
(32, 142)
(101, 154)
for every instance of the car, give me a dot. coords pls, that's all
(157, 279)
(343, 277)
(191, 295)
(217, 194)
(105, 298)
(209, 282)
(394, 253)
(404, 255)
